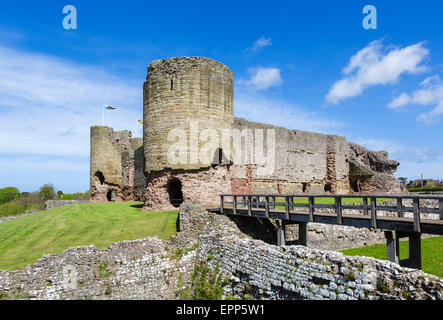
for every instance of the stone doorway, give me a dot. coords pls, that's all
(174, 188)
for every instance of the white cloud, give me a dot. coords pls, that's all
(376, 65)
(263, 78)
(48, 104)
(401, 100)
(256, 108)
(259, 44)
(430, 95)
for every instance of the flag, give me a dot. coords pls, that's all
(140, 121)
(109, 107)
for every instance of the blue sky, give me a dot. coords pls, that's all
(304, 65)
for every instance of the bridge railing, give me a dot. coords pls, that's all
(369, 206)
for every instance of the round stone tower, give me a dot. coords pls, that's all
(189, 94)
(187, 112)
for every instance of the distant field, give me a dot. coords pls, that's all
(24, 240)
(432, 254)
(328, 201)
(331, 200)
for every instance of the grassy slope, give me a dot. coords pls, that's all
(26, 239)
(432, 253)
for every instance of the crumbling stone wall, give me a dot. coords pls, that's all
(304, 162)
(264, 271)
(139, 269)
(307, 162)
(51, 204)
(372, 172)
(203, 185)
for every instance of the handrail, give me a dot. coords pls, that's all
(262, 201)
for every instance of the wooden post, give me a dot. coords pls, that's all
(365, 206)
(286, 207)
(399, 207)
(274, 205)
(302, 233)
(393, 249)
(249, 205)
(338, 209)
(415, 250)
(374, 212)
(440, 208)
(235, 204)
(416, 215)
(291, 202)
(267, 206)
(280, 233)
(311, 208)
(221, 204)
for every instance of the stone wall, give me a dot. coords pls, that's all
(51, 204)
(307, 162)
(139, 269)
(203, 185)
(304, 161)
(372, 171)
(262, 271)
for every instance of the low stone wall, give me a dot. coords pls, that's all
(139, 269)
(27, 213)
(264, 271)
(51, 204)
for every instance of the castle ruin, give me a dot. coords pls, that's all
(193, 148)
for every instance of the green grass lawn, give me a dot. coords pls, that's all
(321, 200)
(24, 240)
(431, 254)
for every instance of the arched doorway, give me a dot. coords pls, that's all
(110, 195)
(175, 192)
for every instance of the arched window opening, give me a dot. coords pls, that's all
(175, 192)
(99, 175)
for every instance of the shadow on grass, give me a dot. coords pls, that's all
(138, 206)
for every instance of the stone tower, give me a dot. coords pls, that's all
(113, 160)
(187, 106)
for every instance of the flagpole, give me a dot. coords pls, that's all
(103, 115)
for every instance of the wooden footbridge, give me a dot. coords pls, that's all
(285, 209)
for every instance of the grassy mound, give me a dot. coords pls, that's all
(24, 240)
(431, 254)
